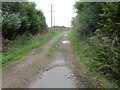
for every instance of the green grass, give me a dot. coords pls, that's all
(85, 54)
(54, 47)
(15, 53)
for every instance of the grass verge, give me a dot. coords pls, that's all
(54, 47)
(17, 52)
(85, 54)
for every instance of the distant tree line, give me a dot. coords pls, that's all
(59, 26)
(99, 23)
(19, 18)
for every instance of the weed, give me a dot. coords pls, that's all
(86, 55)
(15, 53)
(54, 47)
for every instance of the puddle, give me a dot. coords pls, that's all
(65, 35)
(58, 77)
(64, 42)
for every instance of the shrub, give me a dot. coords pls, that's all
(20, 18)
(11, 23)
(106, 59)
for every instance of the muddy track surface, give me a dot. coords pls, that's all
(38, 70)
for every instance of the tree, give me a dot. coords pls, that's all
(21, 17)
(87, 17)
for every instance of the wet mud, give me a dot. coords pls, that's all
(60, 70)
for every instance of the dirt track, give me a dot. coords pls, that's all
(37, 70)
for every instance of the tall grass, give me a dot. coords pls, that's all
(54, 47)
(15, 53)
(87, 55)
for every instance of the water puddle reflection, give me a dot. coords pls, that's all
(66, 42)
(65, 35)
(57, 77)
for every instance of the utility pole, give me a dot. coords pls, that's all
(51, 14)
(51, 11)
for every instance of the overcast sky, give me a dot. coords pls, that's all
(63, 11)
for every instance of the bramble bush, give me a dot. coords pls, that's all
(100, 24)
